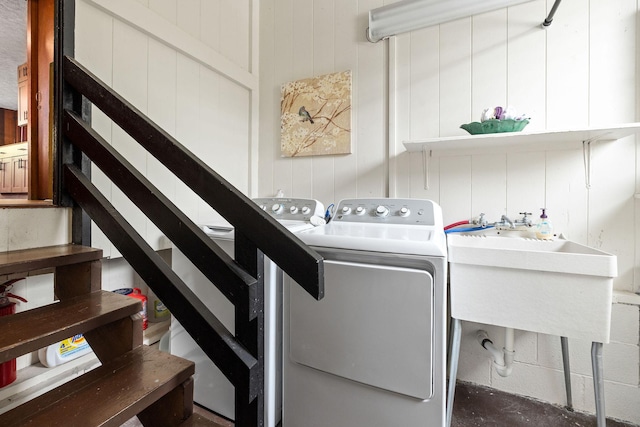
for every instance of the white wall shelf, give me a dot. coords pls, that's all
(540, 141)
(521, 141)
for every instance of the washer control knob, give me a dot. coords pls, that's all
(346, 210)
(277, 208)
(404, 211)
(360, 210)
(382, 211)
(293, 210)
(306, 210)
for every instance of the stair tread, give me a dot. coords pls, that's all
(31, 330)
(25, 260)
(108, 395)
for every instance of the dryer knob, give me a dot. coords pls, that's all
(382, 211)
(277, 208)
(346, 210)
(293, 210)
(306, 210)
(360, 210)
(404, 211)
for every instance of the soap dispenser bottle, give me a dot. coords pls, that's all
(544, 229)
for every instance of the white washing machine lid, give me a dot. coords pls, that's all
(384, 238)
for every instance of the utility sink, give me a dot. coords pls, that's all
(555, 287)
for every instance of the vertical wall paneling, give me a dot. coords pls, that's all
(210, 34)
(187, 115)
(159, 63)
(489, 186)
(130, 76)
(347, 38)
(323, 46)
(525, 182)
(254, 101)
(567, 88)
(95, 51)
(392, 114)
(270, 92)
(611, 207)
(611, 24)
(455, 188)
(302, 56)
(235, 30)
(455, 83)
(566, 194)
(526, 60)
(489, 64)
(165, 8)
(188, 17)
(371, 134)
(162, 85)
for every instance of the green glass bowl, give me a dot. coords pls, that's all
(495, 126)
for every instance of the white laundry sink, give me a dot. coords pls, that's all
(555, 287)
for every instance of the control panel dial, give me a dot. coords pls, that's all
(382, 211)
(277, 208)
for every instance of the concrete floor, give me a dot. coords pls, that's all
(478, 406)
(481, 406)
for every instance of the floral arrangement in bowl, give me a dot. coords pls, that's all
(497, 120)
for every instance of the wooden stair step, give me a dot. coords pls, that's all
(31, 330)
(26, 260)
(136, 383)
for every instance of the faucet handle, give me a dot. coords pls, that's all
(525, 217)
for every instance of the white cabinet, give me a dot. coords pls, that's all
(23, 95)
(19, 174)
(14, 169)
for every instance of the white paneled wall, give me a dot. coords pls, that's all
(306, 38)
(580, 72)
(188, 65)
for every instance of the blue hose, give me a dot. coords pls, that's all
(467, 229)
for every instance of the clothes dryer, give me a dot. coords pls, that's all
(372, 352)
(211, 388)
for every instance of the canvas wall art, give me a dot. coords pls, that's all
(316, 116)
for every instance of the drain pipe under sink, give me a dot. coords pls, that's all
(502, 359)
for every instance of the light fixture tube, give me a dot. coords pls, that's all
(409, 15)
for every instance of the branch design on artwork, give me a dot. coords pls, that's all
(316, 116)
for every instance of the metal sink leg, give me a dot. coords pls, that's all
(454, 356)
(598, 382)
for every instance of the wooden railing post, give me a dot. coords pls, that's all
(250, 333)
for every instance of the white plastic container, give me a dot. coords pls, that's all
(156, 310)
(64, 351)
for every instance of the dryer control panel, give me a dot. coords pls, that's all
(388, 211)
(291, 209)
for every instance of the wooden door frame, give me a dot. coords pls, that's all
(42, 153)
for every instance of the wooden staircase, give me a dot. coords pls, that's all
(132, 380)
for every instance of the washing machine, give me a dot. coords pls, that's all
(372, 352)
(211, 388)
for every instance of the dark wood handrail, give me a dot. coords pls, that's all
(299, 261)
(234, 361)
(233, 282)
(239, 356)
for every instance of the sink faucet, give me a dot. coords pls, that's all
(506, 222)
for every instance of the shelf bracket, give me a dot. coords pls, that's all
(426, 163)
(586, 158)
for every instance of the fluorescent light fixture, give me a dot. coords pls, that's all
(409, 15)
